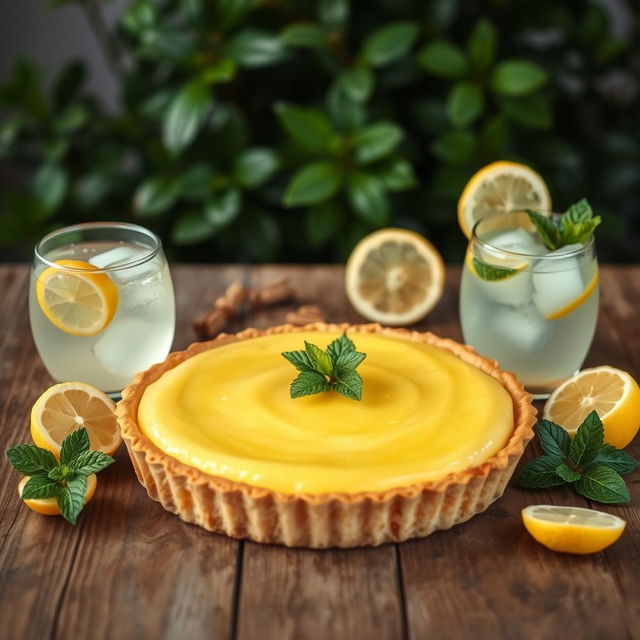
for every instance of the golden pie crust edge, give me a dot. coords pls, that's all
(323, 520)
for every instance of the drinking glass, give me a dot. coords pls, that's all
(532, 310)
(121, 270)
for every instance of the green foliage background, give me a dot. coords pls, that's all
(286, 130)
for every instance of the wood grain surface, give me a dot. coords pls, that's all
(130, 570)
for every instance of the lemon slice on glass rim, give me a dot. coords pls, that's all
(572, 529)
(77, 298)
(394, 276)
(499, 188)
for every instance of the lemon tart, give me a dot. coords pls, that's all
(214, 437)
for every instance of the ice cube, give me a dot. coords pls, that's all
(514, 291)
(518, 241)
(120, 256)
(557, 282)
(521, 328)
(130, 345)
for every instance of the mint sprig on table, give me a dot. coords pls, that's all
(593, 468)
(334, 368)
(576, 224)
(65, 480)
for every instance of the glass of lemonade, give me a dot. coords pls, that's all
(101, 303)
(532, 309)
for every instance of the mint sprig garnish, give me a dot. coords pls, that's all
(65, 480)
(333, 368)
(575, 225)
(592, 468)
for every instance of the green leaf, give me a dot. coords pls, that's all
(465, 104)
(59, 473)
(442, 58)
(90, 462)
(255, 48)
(357, 84)
(231, 12)
(610, 456)
(333, 13)
(40, 486)
(155, 195)
(554, 440)
(390, 43)
(192, 227)
(491, 273)
(349, 384)
(587, 441)
(139, 16)
(397, 174)
(185, 116)
(163, 43)
(312, 184)
(547, 229)
(602, 484)
(322, 221)
(222, 71)
(69, 82)
(343, 344)
(455, 147)
(196, 182)
(307, 383)
(567, 474)
(304, 35)
(348, 360)
(532, 111)
(346, 114)
(540, 473)
(49, 186)
(71, 119)
(254, 166)
(74, 444)
(579, 231)
(223, 208)
(71, 498)
(376, 141)
(517, 78)
(320, 361)
(299, 359)
(30, 460)
(495, 135)
(309, 128)
(368, 197)
(578, 212)
(482, 44)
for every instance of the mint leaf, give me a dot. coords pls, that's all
(71, 498)
(567, 474)
(578, 212)
(615, 459)
(75, 443)
(59, 473)
(89, 462)
(30, 460)
(339, 346)
(308, 383)
(547, 229)
(40, 486)
(579, 232)
(320, 360)
(554, 440)
(588, 440)
(603, 484)
(540, 473)
(349, 384)
(348, 360)
(299, 359)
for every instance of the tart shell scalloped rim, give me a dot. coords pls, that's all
(330, 519)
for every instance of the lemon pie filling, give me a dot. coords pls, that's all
(424, 414)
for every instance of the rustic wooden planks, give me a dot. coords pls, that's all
(131, 570)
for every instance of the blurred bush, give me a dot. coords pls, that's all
(285, 130)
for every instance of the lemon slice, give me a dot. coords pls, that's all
(499, 188)
(68, 406)
(49, 506)
(493, 272)
(572, 529)
(394, 277)
(78, 302)
(578, 302)
(613, 393)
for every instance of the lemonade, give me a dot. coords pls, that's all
(532, 309)
(130, 278)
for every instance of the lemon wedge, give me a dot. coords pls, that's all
(49, 506)
(572, 529)
(76, 299)
(394, 276)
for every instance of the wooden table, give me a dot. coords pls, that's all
(129, 569)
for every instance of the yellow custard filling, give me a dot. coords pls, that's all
(424, 413)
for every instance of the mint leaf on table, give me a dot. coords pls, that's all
(323, 370)
(576, 225)
(592, 468)
(65, 480)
